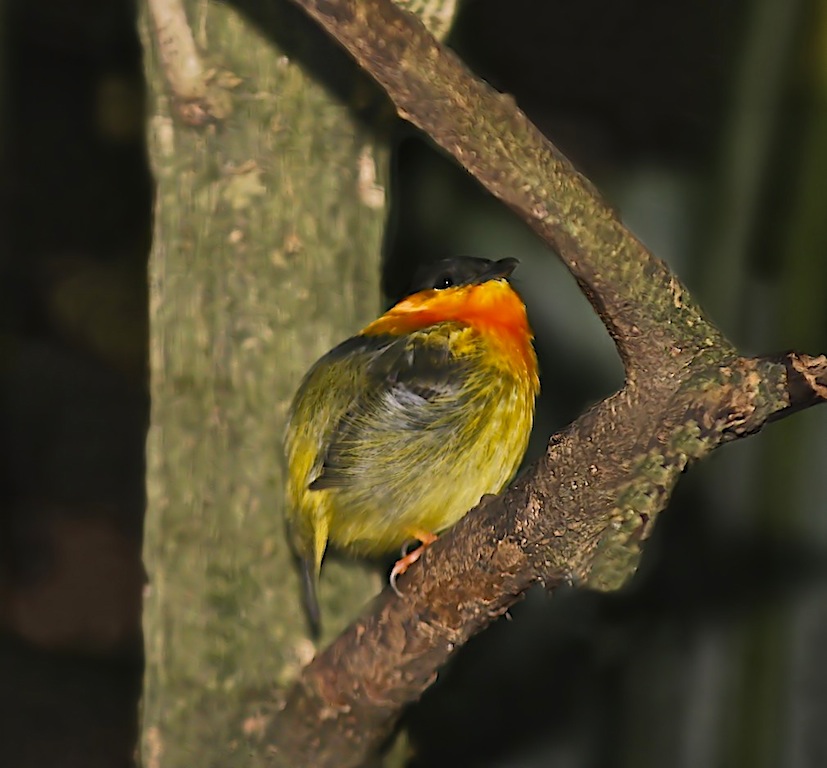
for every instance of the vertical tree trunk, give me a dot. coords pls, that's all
(266, 253)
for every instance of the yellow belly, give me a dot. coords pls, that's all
(435, 480)
(374, 465)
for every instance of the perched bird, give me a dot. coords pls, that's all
(398, 431)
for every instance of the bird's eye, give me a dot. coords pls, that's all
(444, 281)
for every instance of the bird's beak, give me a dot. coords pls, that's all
(501, 268)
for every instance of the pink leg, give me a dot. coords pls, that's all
(408, 560)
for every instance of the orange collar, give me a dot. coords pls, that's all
(493, 308)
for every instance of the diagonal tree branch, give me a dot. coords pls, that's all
(635, 293)
(581, 513)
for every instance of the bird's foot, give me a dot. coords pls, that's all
(409, 558)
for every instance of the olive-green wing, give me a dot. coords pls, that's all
(415, 383)
(329, 390)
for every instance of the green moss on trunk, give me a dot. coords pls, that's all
(266, 253)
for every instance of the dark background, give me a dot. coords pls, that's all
(704, 123)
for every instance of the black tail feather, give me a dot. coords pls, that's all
(310, 580)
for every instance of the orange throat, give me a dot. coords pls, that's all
(493, 308)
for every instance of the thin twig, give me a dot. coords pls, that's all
(195, 102)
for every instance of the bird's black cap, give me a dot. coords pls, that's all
(462, 270)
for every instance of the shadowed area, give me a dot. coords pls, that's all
(75, 215)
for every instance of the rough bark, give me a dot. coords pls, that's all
(266, 254)
(581, 513)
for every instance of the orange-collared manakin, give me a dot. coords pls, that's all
(398, 431)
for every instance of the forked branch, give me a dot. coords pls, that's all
(581, 513)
